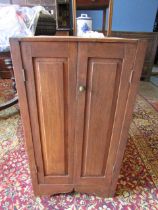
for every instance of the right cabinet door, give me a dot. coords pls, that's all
(105, 100)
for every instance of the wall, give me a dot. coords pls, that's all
(128, 15)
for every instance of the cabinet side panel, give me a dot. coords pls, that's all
(51, 94)
(99, 102)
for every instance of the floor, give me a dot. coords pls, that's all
(154, 77)
(155, 69)
(138, 182)
(154, 80)
(148, 90)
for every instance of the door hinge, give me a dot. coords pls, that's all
(24, 75)
(36, 171)
(131, 76)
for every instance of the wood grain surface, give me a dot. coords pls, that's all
(76, 104)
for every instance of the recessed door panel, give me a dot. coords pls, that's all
(50, 85)
(104, 72)
(101, 81)
(51, 78)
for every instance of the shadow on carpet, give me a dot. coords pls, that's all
(154, 80)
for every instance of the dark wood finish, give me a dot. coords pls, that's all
(6, 72)
(76, 105)
(74, 8)
(152, 39)
(92, 4)
(156, 58)
(104, 21)
(109, 29)
(156, 30)
(6, 68)
(62, 33)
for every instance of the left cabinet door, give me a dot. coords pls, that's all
(50, 81)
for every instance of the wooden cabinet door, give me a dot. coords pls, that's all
(50, 74)
(106, 91)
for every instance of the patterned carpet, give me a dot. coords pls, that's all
(138, 182)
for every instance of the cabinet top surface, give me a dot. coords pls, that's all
(73, 39)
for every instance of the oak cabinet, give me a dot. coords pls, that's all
(76, 100)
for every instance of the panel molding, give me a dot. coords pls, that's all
(52, 118)
(98, 66)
